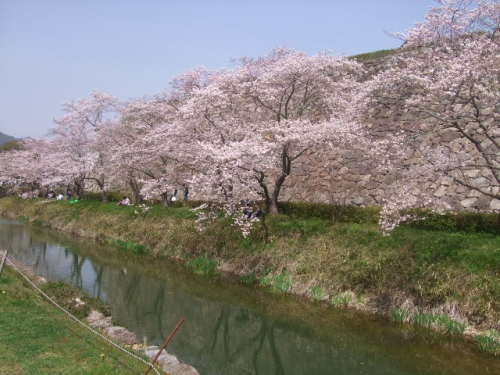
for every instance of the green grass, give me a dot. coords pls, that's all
(373, 55)
(38, 339)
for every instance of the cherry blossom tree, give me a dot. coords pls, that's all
(82, 156)
(448, 69)
(254, 121)
(31, 165)
(145, 149)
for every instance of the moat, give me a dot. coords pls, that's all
(232, 328)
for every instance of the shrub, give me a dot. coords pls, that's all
(456, 221)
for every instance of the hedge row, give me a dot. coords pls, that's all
(336, 213)
(425, 219)
(457, 221)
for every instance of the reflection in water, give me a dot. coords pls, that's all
(235, 329)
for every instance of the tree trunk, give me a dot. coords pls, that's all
(273, 201)
(104, 198)
(286, 164)
(164, 199)
(80, 190)
(136, 190)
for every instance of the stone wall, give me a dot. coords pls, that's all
(324, 176)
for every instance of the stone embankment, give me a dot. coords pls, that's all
(167, 362)
(322, 175)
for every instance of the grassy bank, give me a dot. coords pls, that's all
(37, 338)
(410, 273)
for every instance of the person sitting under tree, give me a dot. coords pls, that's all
(124, 202)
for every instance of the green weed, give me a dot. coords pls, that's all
(203, 265)
(316, 292)
(342, 299)
(489, 342)
(129, 246)
(246, 279)
(279, 283)
(439, 322)
(400, 315)
(450, 325)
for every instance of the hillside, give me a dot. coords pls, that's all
(4, 138)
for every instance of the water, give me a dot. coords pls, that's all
(234, 329)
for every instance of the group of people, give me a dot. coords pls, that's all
(51, 194)
(251, 210)
(172, 197)
(185, 192)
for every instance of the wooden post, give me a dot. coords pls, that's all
(3, 262)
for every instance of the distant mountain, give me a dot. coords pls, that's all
(4, 138)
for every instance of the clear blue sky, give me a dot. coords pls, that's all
(52, 51)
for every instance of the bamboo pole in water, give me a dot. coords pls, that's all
(164, 345)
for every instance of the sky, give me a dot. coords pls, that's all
(56, 51)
